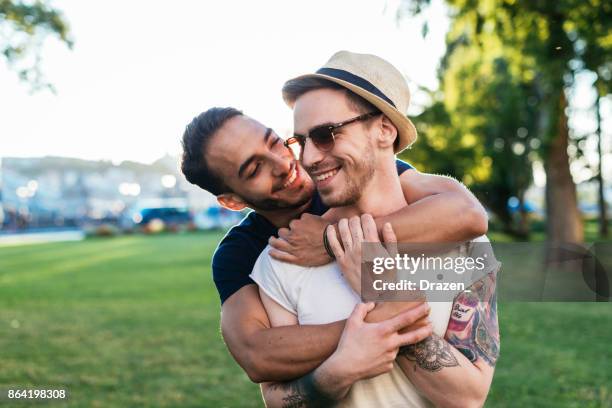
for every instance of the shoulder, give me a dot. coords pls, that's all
(248, 238)
(237, 252)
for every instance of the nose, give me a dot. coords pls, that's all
(281, 164)
(310, 156)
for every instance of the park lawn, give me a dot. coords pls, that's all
(133, 321)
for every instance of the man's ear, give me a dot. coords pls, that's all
(388, 133)
(231, 201)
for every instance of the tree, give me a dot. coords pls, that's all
(24, 26)
(540, 41)
(595, 56)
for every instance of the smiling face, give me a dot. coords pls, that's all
(341, 174)
(253, 162)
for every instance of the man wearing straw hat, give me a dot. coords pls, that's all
(348, 150)
(244, 163)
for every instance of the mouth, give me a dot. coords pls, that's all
(325, 177)
(293, 176)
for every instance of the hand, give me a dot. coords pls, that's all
(354, 233)
(366, 349)
(302, 242)
(387, 310)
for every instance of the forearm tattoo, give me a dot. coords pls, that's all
(473, 328)
(302, 393)
(431, 354)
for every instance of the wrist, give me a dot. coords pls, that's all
(337, 375)
(326, 245)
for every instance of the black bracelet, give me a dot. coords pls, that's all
(326, 244)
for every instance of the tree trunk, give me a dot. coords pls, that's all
(564, 223)
(603, 219)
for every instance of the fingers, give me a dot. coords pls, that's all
(415, 336)
(280, 244)
(283, 256)
(388, 233)
(422, 322)
(284, 233)
(345, 234)
(390, 239)
(334, 244)
(370, 233)
(356, 230)
(407, 318)
(360, 311)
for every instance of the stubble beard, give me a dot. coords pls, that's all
(355, 186)
(270, 204)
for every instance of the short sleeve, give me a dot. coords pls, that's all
(271, 276)
(402, 166)
(237, 252)
(231, 266)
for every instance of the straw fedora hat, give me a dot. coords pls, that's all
(378, 82)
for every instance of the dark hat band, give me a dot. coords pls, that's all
(355, 80)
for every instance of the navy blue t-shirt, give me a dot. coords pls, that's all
(238, 251)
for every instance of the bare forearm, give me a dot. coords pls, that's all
(444, 375)
(444, 217)
(287, 352)
(273, 354)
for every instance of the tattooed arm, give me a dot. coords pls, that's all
(320, 388)
(457, 370)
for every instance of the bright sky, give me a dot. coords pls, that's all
(140, 70)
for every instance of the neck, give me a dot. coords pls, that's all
(281, 218)
(382, 196)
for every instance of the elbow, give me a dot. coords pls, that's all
(248, 357)
(476, 219)
(476, 399)
(252, 366)
(256, 377)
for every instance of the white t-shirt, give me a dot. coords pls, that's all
(320, 295)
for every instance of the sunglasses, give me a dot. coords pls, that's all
(323, 136)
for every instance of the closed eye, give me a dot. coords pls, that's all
(255, 171)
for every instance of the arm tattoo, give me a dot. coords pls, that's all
(431, 354)
(473, 328)
(303, 393)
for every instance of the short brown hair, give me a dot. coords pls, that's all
(294, 88)
(196, 138)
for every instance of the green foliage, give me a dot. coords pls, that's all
(502, 80)
(24, 26)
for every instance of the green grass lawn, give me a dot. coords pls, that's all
(133, 321)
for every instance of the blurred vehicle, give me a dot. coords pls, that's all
(216, 218)
(156, 216)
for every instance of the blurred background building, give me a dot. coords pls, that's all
(59, 192)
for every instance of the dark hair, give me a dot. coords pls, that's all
(294, 88)
(196, 138)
